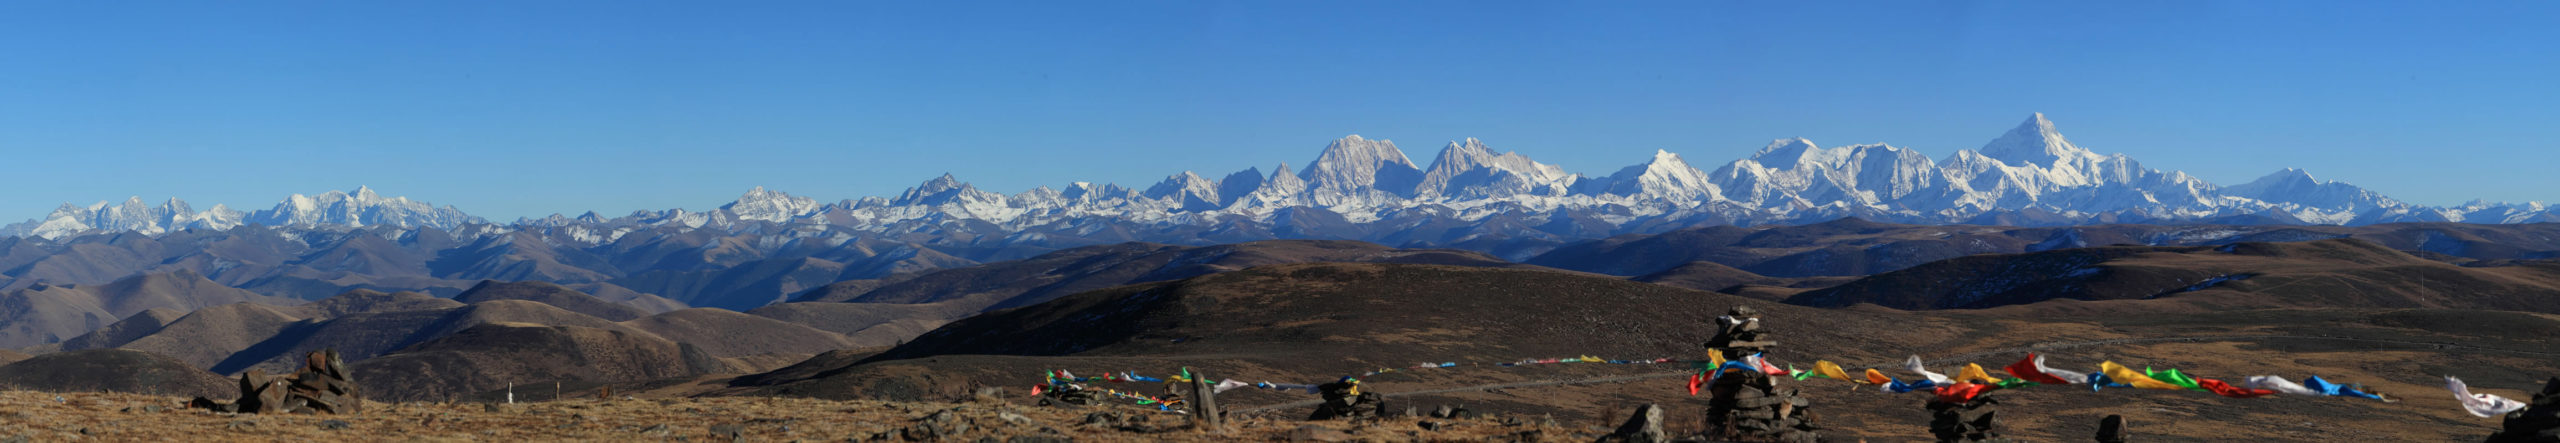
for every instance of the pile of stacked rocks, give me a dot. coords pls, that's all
(1343, 399)
(2538, 423)
(322, 386)
(1748, 405)
(1968, 421)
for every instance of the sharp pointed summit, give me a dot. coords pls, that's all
(2034, 142)
(1359, 171)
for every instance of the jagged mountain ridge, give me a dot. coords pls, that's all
(2030, 169)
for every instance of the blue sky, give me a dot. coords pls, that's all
(510, 109)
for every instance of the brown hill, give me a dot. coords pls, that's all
(1849, 246)
(2336, 273)
(362, 301)
(648, 303)
(1318, 320)
(724, 333)
(367, 335)
(1705, 276)
(550, 294)
(867, 324)
(9, 356)
(491, 356)
(114, 370)
(128, 329)
(43, 313)
(207, 336)
(1029, 281)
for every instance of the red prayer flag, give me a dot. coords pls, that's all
(2227, 390)
(1960, 393)
(2026, 369)
(1696, 380)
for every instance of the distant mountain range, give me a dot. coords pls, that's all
(1359, 188)
(767, 245)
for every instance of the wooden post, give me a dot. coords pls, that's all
(1204, 404)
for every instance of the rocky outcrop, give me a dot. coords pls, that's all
(323, 386)
(2536, 423)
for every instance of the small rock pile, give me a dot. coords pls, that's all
(1343, 399)
(1750, 406)
(2537, 423)
(1070, 394)
(323, 386)
(1969, 421)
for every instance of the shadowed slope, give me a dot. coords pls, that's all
(113, 370)
(2337, 273)
(491, 356)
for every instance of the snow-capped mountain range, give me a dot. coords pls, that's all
(331, 209)
(1369, 189)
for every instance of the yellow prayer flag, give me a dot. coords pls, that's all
(1877, 378)
(2121, 374)
(1973, 373)
(1715, 359)
(1829, 369)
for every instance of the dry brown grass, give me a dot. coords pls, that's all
(123, 417)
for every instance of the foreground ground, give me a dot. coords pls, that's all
(42, 416)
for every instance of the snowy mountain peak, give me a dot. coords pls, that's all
(1468, 169)
(772, 206)
(2297, 188)
(1786, 153)
(364, 208)
(946, 190)
(1666, 177)
(2034, 142)
(1360, 172)
(1189, 190)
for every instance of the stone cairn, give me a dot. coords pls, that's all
(1070, 394)
(1969, 421)
(1748, 405)
(2536, 423)
(322, 386)
(1343, 399)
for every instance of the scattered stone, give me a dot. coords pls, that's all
(1428, 425)
(1644, 427)
(1010, 417)
(2112, 430)
(2538, 422)
(492, 408)
(1317, 433)
(1104, 419)
(1038, 439)
(335, 424)
(731, 431)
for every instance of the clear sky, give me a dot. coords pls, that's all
(516, 108)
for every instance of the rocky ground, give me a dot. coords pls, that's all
(43, 416)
